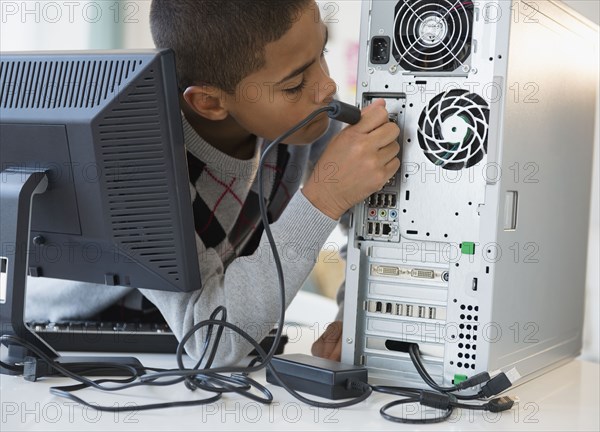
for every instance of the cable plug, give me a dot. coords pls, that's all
(473, 381)
(437, 400)
(500, 404)
(34, 368)
(500, 383)
(352, 384)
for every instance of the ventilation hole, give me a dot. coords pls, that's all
(468, 327)
(474, 347)
(474, 337)
(459, 364)
(473, 366)
(460, 355)
(467, 365)
(469, 317)
(467, 356)
(462, 307)
(460, 345)
(470, 307)
(467, 346)
(462, 316)
(468, 336)
(473, 357)
(461, 336)
(462, 326)
(476, 308)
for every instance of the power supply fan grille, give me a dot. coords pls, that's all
(432, 35)
(453, 129)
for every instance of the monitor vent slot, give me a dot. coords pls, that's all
(135, 179)
(61, 84)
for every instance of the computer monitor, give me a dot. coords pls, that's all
(94, 184)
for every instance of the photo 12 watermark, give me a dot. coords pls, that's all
(69, 12)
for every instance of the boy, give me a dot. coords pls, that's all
(247, 72)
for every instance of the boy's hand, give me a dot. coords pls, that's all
(329, 345)
(357, 162)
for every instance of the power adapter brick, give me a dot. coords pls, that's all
(318, 376)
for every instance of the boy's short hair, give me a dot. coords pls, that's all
(220, 42)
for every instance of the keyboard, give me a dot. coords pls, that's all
(111, 336)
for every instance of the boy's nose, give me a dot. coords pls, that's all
(327, 90)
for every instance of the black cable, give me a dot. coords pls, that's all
(208, 378)
(398, 419)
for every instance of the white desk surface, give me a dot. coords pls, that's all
(566, 398)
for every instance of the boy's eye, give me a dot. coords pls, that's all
(296, 89)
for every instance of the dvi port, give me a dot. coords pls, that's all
(422, 273)
(386, 270)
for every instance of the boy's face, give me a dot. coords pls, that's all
(293, 83)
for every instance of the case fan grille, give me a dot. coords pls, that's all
(453, 129)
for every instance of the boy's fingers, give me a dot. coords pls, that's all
(373, 116)
(389, 151)
(336, 353)
(385, 134)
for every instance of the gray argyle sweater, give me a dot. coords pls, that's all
(236, 264)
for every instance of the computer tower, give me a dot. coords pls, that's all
(476, 249)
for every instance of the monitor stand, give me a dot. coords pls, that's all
(17, 189)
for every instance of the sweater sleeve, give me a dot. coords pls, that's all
(249, 287)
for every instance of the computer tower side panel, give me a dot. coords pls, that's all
(538, 288)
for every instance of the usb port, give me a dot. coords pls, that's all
(388, 308)
(432, 313)
(421, 312)
(408, 310)
(378, 307)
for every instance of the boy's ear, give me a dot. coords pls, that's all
(207, 101)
